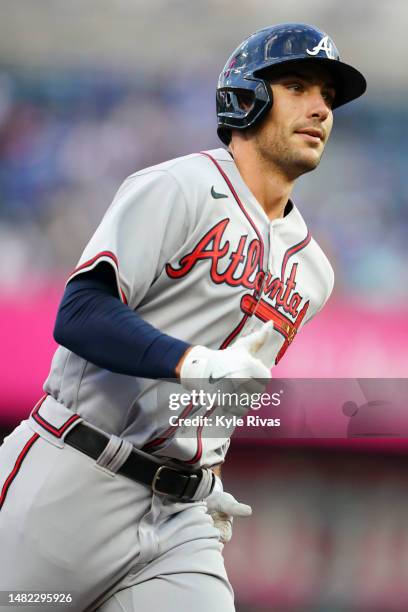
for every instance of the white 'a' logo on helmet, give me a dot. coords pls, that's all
(324, 45)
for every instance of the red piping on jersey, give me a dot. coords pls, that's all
(241, 324)
(292, 250)
(89, 263)
(292, 328)
(234, 193)
(44, 423)
(230, 337)
(16, 468)
(234, 332)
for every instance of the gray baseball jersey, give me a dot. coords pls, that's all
(197, 257)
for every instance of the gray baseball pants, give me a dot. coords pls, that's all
(68, 525)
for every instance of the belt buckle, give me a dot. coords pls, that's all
(157, 478)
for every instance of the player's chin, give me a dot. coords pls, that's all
(308, 161)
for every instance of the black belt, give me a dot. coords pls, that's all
(162, 478)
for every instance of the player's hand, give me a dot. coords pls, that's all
(223, 508)
(242, 368)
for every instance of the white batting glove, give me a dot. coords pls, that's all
(223, 508)
(243, 367)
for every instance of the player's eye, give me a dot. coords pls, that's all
(294, 86)
(328, 96)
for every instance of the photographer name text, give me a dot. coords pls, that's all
(222, 420)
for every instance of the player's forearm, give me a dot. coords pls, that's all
(97, 326)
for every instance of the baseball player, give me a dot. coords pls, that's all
(201, 271)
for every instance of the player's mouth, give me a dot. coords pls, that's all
(314, 135)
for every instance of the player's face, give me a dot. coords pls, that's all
(295, 132)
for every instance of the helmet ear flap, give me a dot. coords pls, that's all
(238, 102)
(242, 107)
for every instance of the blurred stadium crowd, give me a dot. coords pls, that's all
(66, 143)
(68, 139)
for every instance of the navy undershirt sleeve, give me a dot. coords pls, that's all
(93, 323)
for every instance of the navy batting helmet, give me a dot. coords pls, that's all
(253, 61)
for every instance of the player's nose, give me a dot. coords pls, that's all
(318, 104)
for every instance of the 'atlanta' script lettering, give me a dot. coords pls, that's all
(215, 247)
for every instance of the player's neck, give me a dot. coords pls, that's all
(269, 185)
